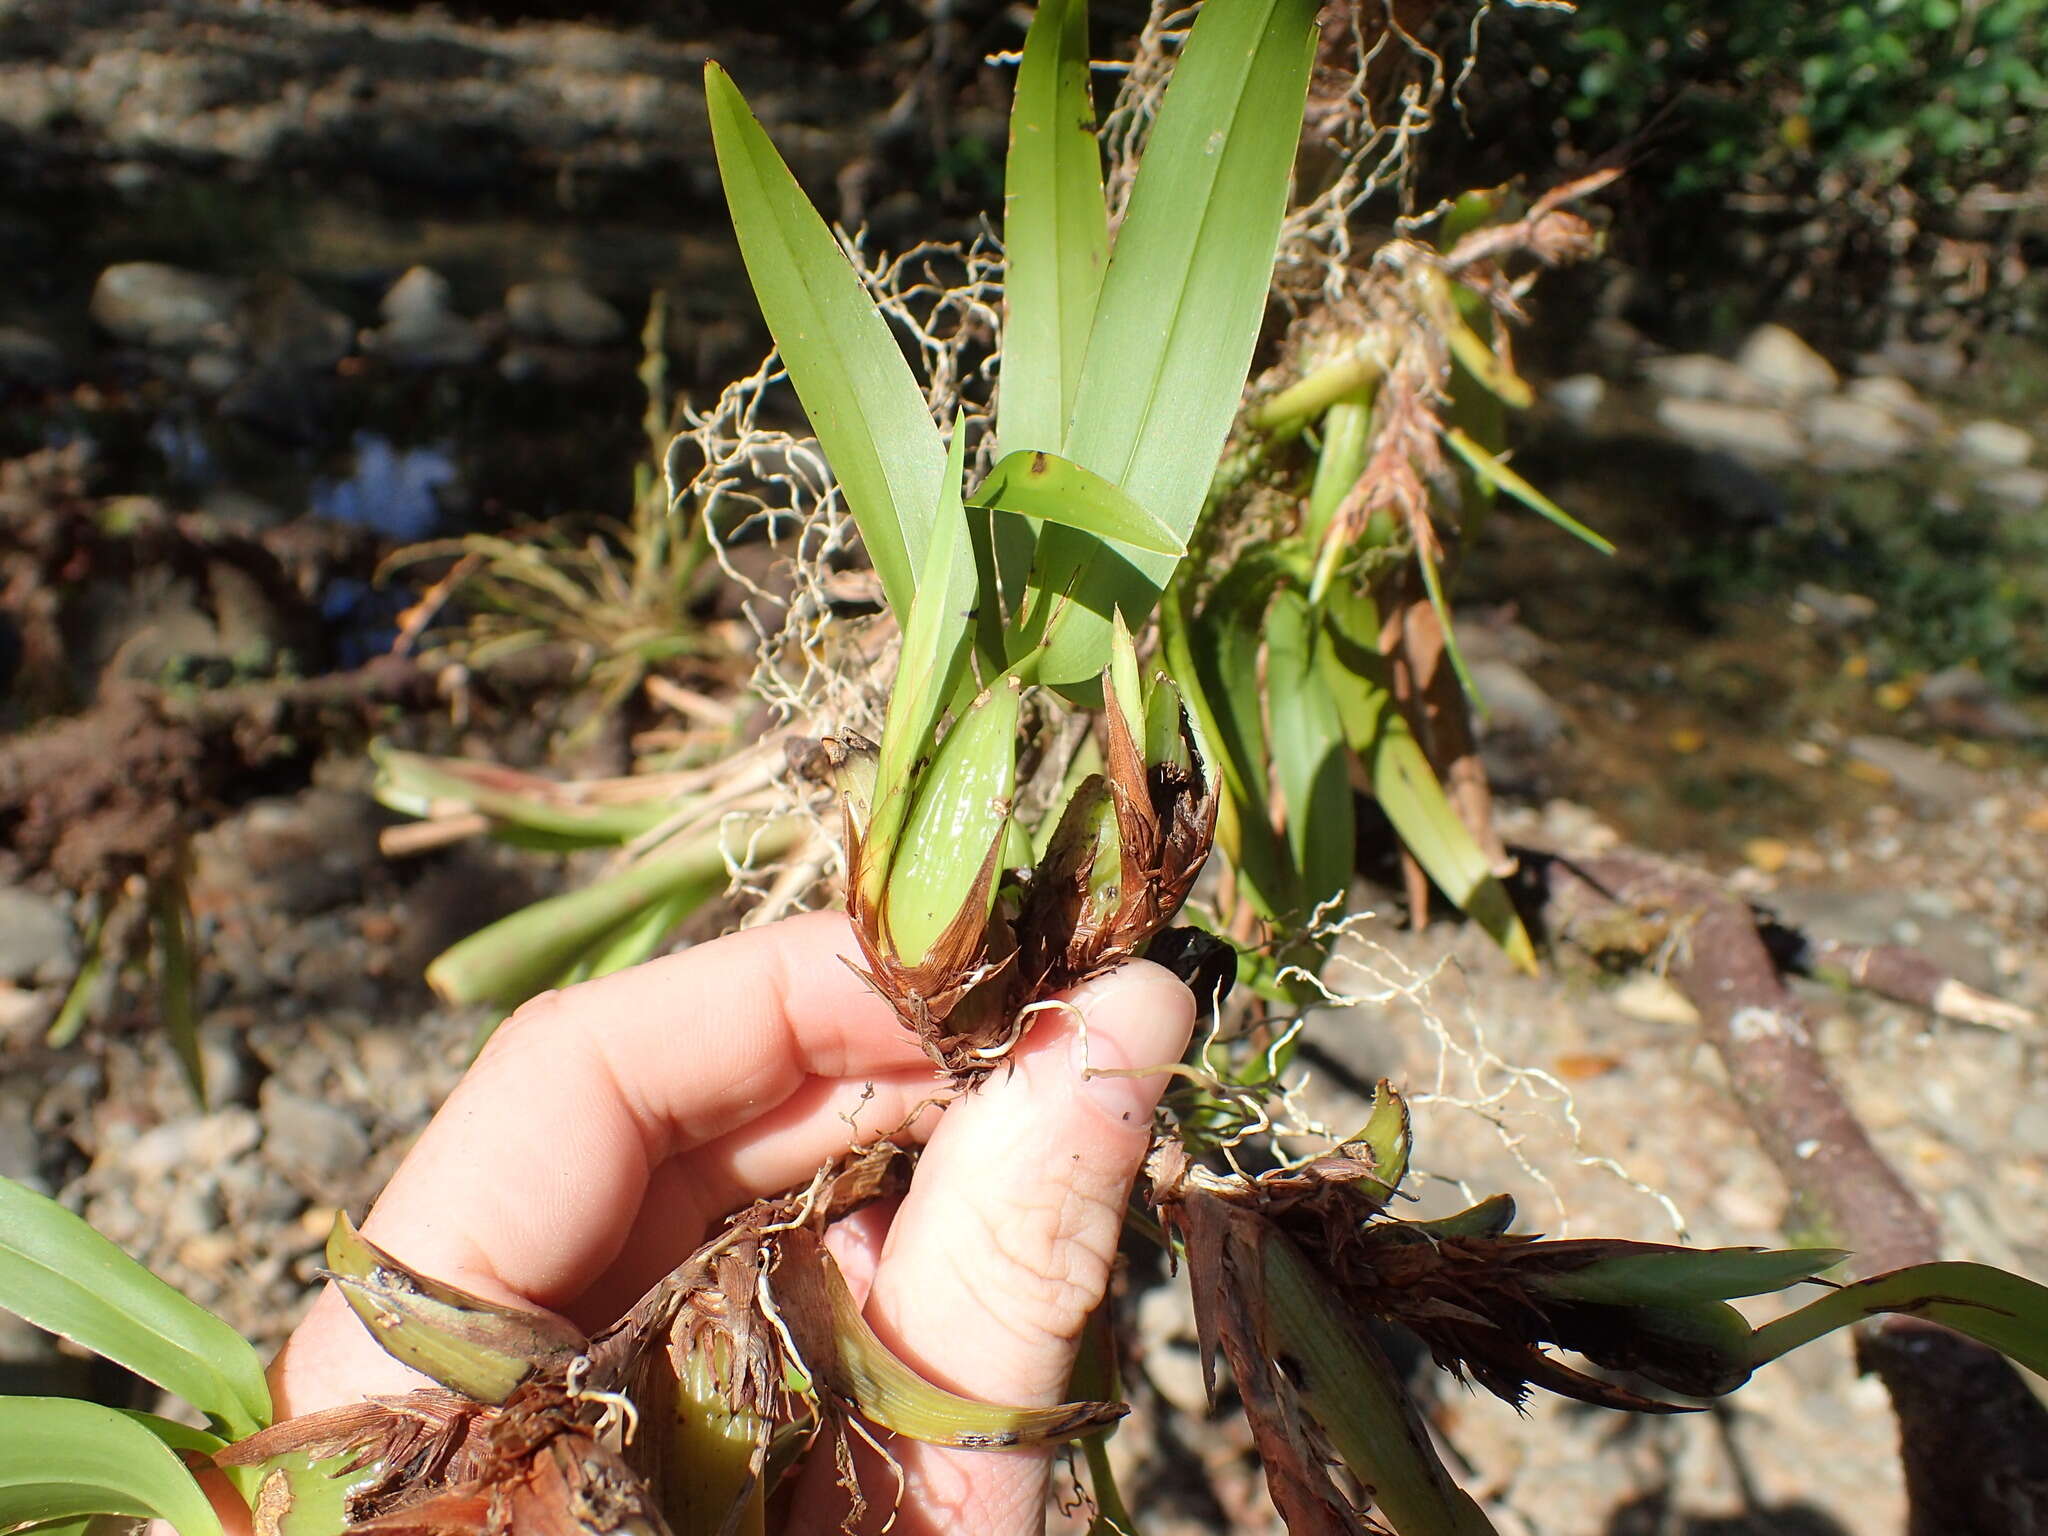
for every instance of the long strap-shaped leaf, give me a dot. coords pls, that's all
(1055, 231)
(1180, 309)
(61, 1275)
(60, 1458)
(862, 399)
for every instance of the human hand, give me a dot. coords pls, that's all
(606, 1130)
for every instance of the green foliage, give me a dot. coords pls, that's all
(1939, 92)
(61, 1459)
(61, 1275)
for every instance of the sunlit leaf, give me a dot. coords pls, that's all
(1494, 471)
(61, 1275)
(1180, 311)
(931, 663)
(863, 402)
(1311, 758)
(524, 954)
(1407, 789)
(1055, 231)
(2003, 1310)
(1057, 490)
(418, 785)
(61, 1458)
(1672, 1277)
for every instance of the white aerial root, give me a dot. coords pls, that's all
(1516, 1101)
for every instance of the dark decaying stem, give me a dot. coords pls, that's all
(1974, 1440)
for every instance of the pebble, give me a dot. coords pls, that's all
(1851, 434)
(310, 1142)
(165, 308)
(30, 360)
(1578, 398)
(1702, 376)
(37, 941)
(285, 326)
(562, 309)
(421, 328)
(1782, 362)
(1962, 699)
(2017, 490)
(1831, 610)
(198, 1141)
(1931, 784)
(1993, 444)
(1751, 433)
(1894, 395)
(1166, 1331)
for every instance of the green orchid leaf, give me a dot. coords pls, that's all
(522, 955)
(1492, 470)
(1414, 801)
(929, 667)
(177, 978)
(1213, 660)
(961, 811)
(862, 399)
(1179, 313)
(415, 784)
(1055, 231)
(2003, 1310)
(61, 1459)
(1057, 490)
(1356, 1397)
(1673, 1277)
(1311, 757)
(59, 1274)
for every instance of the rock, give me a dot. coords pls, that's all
(1928, 782)
(1929, 364)
(194, 1141)
(285, 326)
(165, 308)
(1782, 363)
(1993, 444)
(562, 309)
(421, 328)
(29, 360)
(213, 372)
(1890, 393)
(2017, 490)
(1515, 703)
(1578, 398)
(1962, 699)
(1702, 376)
(1651, 999)
(37, 941)
(310, 1142)
(297, 856)
(1167, 1339)
(1818, 606)
(1854, 434)
(1755, 434)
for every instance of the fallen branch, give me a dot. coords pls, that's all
(1974, 1439)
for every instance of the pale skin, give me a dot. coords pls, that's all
(607, 1129)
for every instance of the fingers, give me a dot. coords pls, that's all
(528, 1182)
(1003, 1245)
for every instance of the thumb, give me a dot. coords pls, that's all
(1004, 1244)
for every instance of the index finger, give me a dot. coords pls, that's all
(528, 1182)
